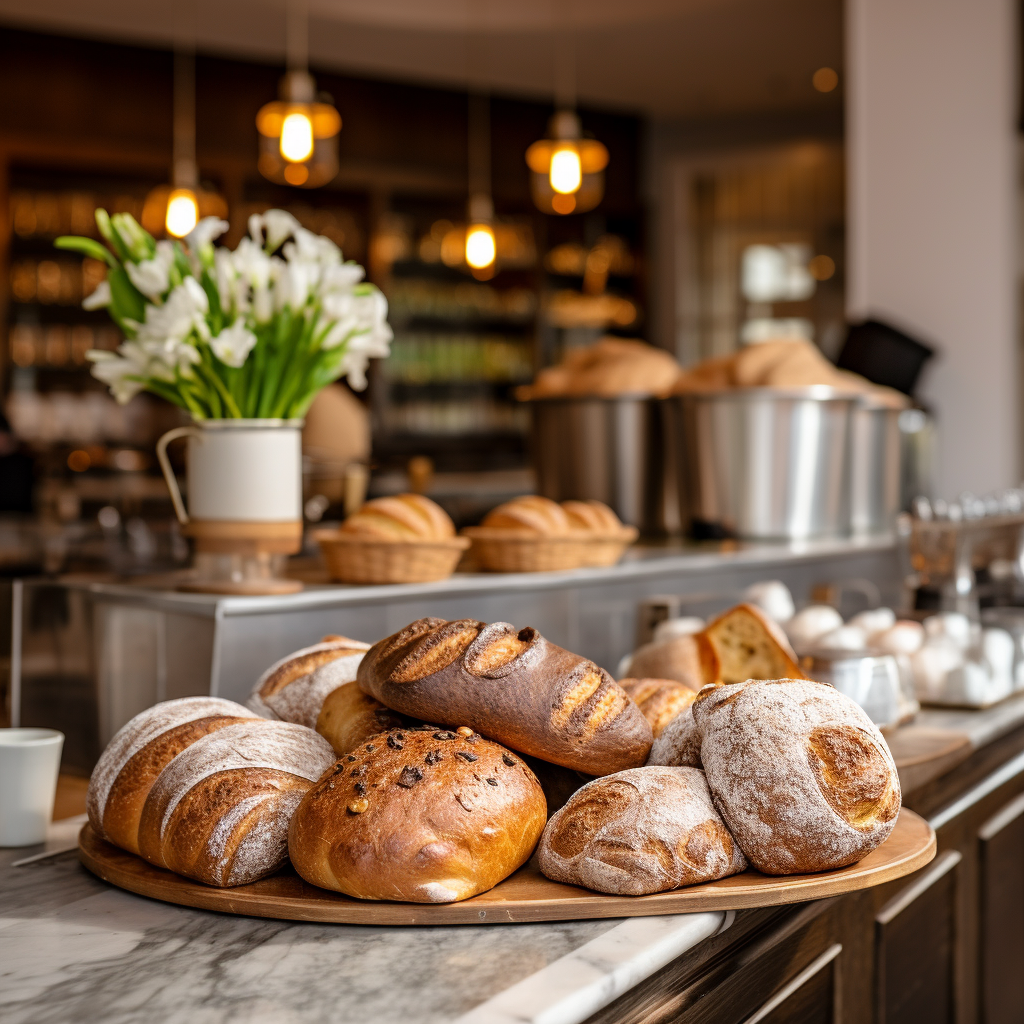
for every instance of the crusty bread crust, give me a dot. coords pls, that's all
(749, 645)
(801, 776)
(400, 517)
(689, 660)
(511, 685)
(639, 831)
(530, 514)
(350, 717)
(593, 516)
(679, 742)
(661, 700)
(423, 816)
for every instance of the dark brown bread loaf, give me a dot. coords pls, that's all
(350, 717)
(140, 751)
(637, 832)
(423, 816)
(661, 700)
(513, 686)
(803, 779)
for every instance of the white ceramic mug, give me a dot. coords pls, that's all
(248, 470)
(29, 763)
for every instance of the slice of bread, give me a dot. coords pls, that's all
(748, 645)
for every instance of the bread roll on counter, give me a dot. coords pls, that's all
(530, 513)
(593, 516)
(423, 816)
(513, 686)
(219, 812)
(660, 700)
(294, 688)
(639, 831)
(350, 717)
(801, 776)
(400, 517)
(140, 751)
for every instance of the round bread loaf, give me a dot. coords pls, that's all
(803, 779)
(140, 751)
(530, 514)
(401, 517)
(423, 816)
(679, 742)
(593, 516)
(640, 831)
(294, 688)
(511, 685)
(219, 812)
(660, 700)
(350, 717)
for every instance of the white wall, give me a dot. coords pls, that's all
(931, 157)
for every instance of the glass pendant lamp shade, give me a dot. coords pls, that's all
(298, 135)
(566, 170)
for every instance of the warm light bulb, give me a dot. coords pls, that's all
(480, 247)
(297, 138)
(182, 212)
(566, 174)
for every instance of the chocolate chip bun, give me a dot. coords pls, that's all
(349, 717)
(801, 776)
(679, 743)
(660, 700)
(423, 816)
(640, 831)
(513, 686)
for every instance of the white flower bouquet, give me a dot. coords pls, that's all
(252, 334)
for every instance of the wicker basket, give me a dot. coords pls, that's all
(608, 548)
(501, 550)
(354, 559)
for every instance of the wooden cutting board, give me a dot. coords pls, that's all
(525, 896)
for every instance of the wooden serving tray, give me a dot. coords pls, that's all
(525, 896)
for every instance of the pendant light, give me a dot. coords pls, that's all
(175, 209)
(481, 247)
(298, 132)
(566, 170)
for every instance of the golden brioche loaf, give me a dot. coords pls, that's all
(424, 816)
(679, 743)
(511, 685)
(294, 688)
(660, 700)
(593, 516)
(688, 659)
(349, 717)
(749, 645)
(639, 831)
(801, 776)
(219, 812)
(401, 517)
(530, 514)
(140, 751)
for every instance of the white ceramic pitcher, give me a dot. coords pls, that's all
(240, 470)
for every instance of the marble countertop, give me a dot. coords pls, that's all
(73, 948)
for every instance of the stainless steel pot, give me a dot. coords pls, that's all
(871, 678)
(874, 468)
(764, 463)
(611, 449)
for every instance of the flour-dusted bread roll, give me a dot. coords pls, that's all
(530, 514)
(513, 686)
(749, 645)
(424, 816)
(679, 743)
(593, 516)
(660, 700)
(294, 688)
(219, 812)
(640, 831)
(350, 717)
(402, 517)
(688, 659)
(140, 751)
(801, 776)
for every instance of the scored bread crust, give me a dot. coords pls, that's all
(749, 645)
(400, 517)
(138, 753)
(350, 717)
(219, 812)
(294, 688)
(660, 700)
(640, 831)
(423, 816)
(530, 514)
(689, 660)
(679, 742)
(513, 686)
(593, 516)
(800, 774)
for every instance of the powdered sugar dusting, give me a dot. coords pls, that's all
(679, 743)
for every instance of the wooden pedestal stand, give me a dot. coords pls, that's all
(248, 539)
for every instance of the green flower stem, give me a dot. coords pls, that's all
(211, 375)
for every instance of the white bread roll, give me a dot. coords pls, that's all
(813, 622)
(773, 597)
(640, 831)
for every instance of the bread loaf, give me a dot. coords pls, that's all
(513, 686)
(749, 645)
(660, 700)
(802, 778)
(219, 812)
(688, 659)
(140, 751)
(679, 742)
(592, 516)
(423, 816)
(640, 831)
(530, 514)
(294, 688)
(350, 717)
(402, 517)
